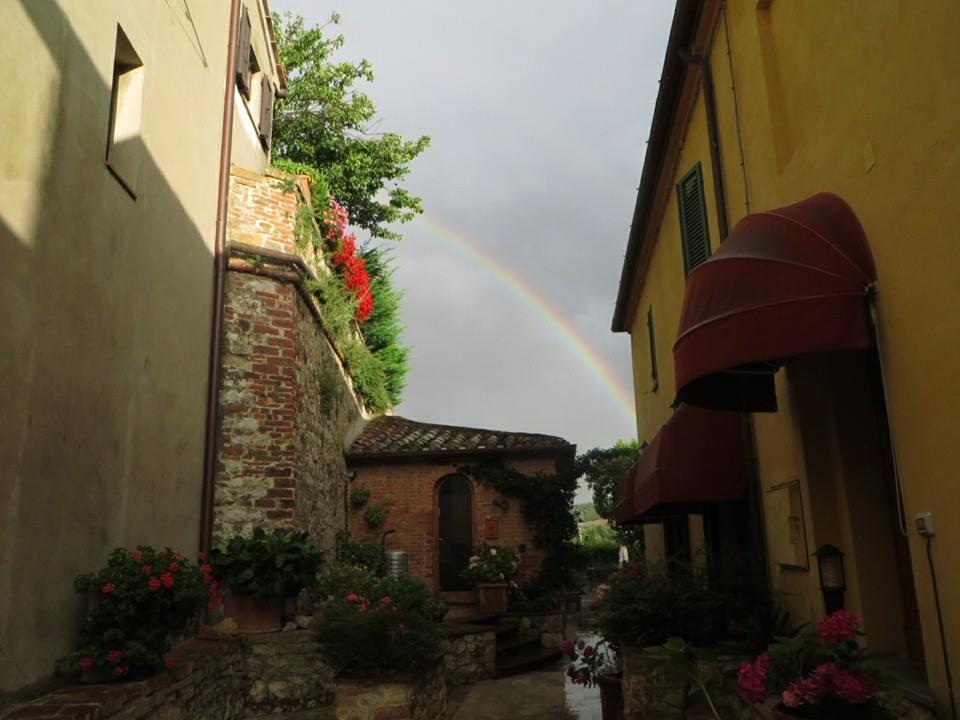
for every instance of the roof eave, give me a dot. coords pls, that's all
(562, 452)
(684, 23)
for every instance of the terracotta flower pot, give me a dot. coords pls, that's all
(611, 696)
(254, 616)
(492, 598)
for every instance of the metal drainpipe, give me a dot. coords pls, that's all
(755, 499)
(219, 273)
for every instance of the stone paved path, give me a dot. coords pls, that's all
(533, 696)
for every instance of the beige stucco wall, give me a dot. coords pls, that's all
(873, 119)
(105, 302)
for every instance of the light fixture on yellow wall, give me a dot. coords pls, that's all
(833, 579)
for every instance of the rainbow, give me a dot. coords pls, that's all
(621, 396)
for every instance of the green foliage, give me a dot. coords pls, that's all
(304, 231)
(267, 565)
(679, 660)
(646, 607)
(138, 604)
(535, 597)
(382, 331)
(372, 626)
(327, 124)
(368, 375)
(602, 469)
(359, 496)
(366, 555)
(376, 515)
(586, 512)
(598, 537)
(337, 305)
(491, 564)
(546, 503)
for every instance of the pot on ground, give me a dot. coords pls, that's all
(611, 696)
(253, 615)
(492, 598)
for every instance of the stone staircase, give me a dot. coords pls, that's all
(517, 651)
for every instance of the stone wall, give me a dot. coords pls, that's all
(283, 672)
(423, 697)
(287, 405)
(470, 655)
(550, 627)
(408, 491)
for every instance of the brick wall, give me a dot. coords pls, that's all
(408, 491)
(287, 406)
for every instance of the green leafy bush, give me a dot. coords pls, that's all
(137, 605)
(359, 496)
(267, 565)
(645, 607)
(367, 555)
(372, 626)
(376, 515)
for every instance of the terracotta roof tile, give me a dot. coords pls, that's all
(396, 435)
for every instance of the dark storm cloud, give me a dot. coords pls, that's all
(539, 112)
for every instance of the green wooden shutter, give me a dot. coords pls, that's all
(654, 375)
(694, 234)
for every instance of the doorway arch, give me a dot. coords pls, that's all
(454, 530)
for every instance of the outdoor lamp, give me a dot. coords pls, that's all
(833, 580)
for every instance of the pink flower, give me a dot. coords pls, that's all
(808, 690)
(114, 656)
(352, 597)
(853, 686)
(752, 678)
(120, 670)
(86, 662)
(135, 556)
(566, 647)
(839, 626)
(174, 567)
(167, 580)
(154, 584)
(385, 601)
(201, 556)
(108, 588)
(588, 651)
(147, 570)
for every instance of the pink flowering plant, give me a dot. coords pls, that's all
(817, 672)
(589, 661)
(137, 606)
(491, 564)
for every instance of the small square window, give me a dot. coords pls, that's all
(124, 156)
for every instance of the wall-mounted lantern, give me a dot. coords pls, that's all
(833, 579)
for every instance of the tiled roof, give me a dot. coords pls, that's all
(392, 435)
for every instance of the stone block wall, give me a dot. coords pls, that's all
(470, 656)
(408, 491)
(423, 697)
(283, 672)
(550, 627)
(287, 405)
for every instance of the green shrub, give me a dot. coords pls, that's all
(371, 627)
(367, 555)
(359, 496)
(138, 604)
(376, 515)
(267, 565)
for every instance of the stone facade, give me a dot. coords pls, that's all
(470, 656)
(423, 697)
(408, 491)
(287, 405)
(550, 627)
(212, 680)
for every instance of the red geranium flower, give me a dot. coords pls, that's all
(167, 580)
(86, 662)
(120, 670)
(839, 626)
(108, 588)
(147, 570)
(114, 656)
(135, 555)
(154, 584)
(174, 567)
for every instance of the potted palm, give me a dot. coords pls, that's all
(490, 570)
(261, 572)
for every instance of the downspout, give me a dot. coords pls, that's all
(219, 273)
(714, 137)
(755, 501)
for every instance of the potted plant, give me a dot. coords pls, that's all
(490, 570)
(597, 666)
(359, 496)
(376, 515)
(137, 606)
(261, 572)
(822, 674)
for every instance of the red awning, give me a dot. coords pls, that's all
(784, 283)
(696, 457)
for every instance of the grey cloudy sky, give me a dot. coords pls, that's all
(538, 112)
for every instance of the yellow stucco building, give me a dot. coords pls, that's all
(763, 105)
(120, 121)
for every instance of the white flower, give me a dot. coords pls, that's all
(493, 551)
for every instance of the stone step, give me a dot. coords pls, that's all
(527, 661)
(320, 713)
(511, 645)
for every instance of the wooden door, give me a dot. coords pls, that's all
(455, 530)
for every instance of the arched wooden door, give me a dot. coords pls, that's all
(454, 530)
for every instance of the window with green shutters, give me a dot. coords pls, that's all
(654, 376)
(694, 234)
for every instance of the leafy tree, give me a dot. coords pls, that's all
(382, 331)
(603, 468)
(326, 128)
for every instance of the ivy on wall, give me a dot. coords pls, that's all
(546, 503)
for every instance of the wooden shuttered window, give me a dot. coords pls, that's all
(243, 54)
(266, 110)
(694, 234)
(654, 375)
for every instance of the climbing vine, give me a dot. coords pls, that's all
(546, 503)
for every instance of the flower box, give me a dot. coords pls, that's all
(492, 598)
